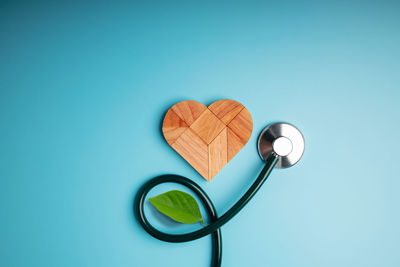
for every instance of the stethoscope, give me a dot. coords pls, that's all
(280, 145)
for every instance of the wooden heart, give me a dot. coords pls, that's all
(207, 137)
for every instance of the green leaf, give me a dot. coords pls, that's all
(178, 205)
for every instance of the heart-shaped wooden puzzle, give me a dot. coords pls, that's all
(207, 137)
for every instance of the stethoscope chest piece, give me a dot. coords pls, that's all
(283, 139)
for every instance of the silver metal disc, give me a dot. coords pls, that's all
(285, 140)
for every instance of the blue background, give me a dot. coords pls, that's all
(84, 88)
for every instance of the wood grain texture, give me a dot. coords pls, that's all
(217, 154)
(190, 146)
(242, 125)
(188, 110)
(207, 137)
(235, 144)
(207, 126)
(173, 126)
(226, 109)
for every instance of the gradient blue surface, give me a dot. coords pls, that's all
(83, 90)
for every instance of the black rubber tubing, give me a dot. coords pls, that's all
(215, 221)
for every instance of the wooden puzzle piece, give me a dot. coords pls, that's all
(173, 126)
(226, 109)
(207, 137)
(217, 154)
(242, 125)
(193, 149)
(207, 126)
(235, 144)
(188, 110)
